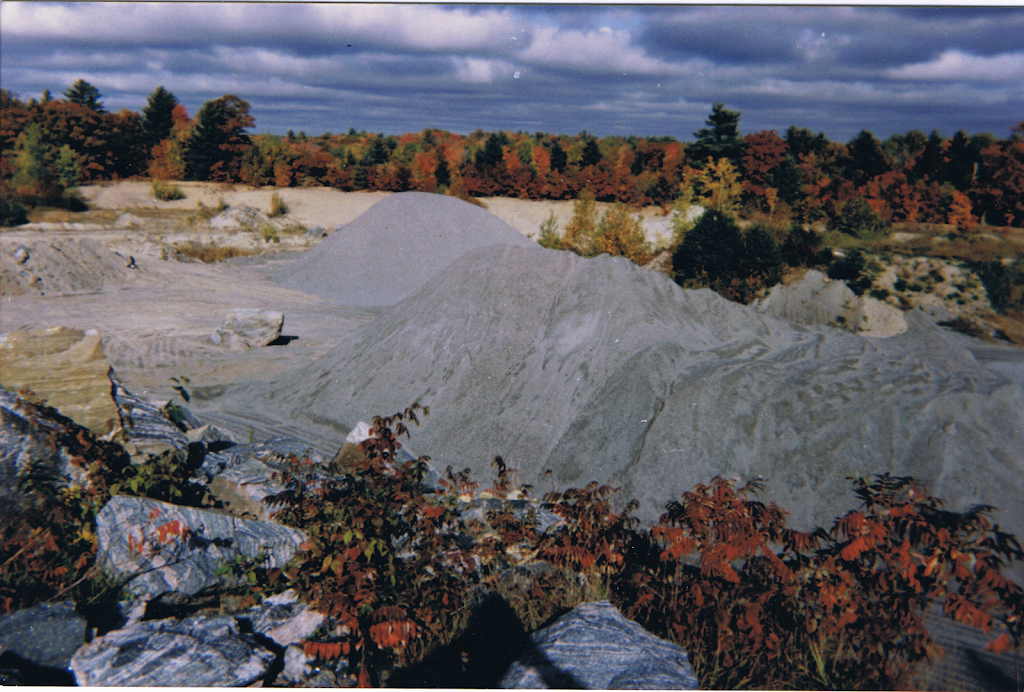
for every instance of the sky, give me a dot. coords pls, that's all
(646, 70)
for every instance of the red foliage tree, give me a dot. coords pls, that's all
(763, 152)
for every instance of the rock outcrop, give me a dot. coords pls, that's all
(816, 299)
(595, 647)
(200, 651)
(64, 366)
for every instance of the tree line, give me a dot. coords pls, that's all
(49, 146)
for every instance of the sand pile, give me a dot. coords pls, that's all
(394, 248)
(599, 370)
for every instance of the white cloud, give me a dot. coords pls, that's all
(603, 50)
(955, 65)
(408, 27)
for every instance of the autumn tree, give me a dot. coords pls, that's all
(621, 234)
(85, 94)
(218, 140)
(762, 153)
(158, 115)
(721, 137)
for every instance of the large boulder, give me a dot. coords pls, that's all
(64, 366)
(394, 248)
(249, 328)
(164, 550)
(201, 651)
(599, 370)
(595, 647)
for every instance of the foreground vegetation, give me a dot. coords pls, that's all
(755, 604)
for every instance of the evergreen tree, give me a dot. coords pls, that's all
(377, 153)
(218, 140)
(441, 172)
(158, 115)
(867, 158)
(559, 159)
(493, 152)
(800, 140)
(591, 153)
(85, 94)
(713, 249)
(721, 137)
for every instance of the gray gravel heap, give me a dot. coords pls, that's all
(594, 647)
(395, 247)
(599, 370)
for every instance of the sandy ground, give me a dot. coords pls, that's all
(331, 208)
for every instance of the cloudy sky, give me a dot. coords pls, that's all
(609, 69)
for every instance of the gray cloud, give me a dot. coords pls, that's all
(646, 70)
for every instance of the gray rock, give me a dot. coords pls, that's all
(138, 543)
(201, 651)
(248, 328)
(316, 232)
(283, 619)
(46, 635)
(595, 647)
(22, 440)
(21, 254)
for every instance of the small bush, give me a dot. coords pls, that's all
(851, 269)
(270, 235)
(965, 326)
(549, 237)
(278, 207)
(165, 191)
(12, 213)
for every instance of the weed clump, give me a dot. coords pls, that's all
(165, 191)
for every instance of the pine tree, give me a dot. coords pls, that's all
(218, 140)
(85, 94)
(721, 137)
(157, 116)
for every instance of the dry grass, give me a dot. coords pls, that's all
(213, 253)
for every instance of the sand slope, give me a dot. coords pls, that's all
(599, 370)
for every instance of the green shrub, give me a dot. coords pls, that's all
(165, 191)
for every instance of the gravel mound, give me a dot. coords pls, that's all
(395, 247)
(598, 370)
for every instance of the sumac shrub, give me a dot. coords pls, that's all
(383, 560)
